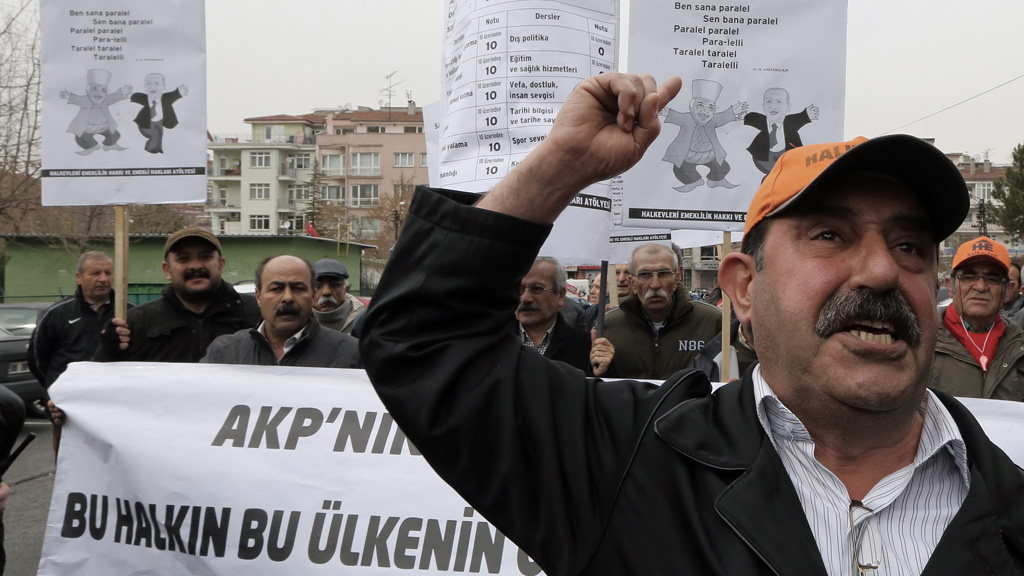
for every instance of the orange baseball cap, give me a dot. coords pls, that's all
(912, 162)
(982, 247)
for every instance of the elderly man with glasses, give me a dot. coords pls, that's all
(657, 330)
(542, 327)
(977, 354)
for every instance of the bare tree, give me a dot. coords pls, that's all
(19, 111)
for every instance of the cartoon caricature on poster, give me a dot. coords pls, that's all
(758, 79)
(124, 102)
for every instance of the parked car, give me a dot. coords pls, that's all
(15, 375)
(21, 318)
(17, 322)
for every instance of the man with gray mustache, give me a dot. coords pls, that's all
(333, 306)
(289, 334)
(657, 330)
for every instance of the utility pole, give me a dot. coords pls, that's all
(980, 218)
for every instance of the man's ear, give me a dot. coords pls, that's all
(736, 277)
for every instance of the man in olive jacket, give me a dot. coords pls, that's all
(658, 330)
(977, 353)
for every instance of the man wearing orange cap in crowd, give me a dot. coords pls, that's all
(977, 354)
(830, 457)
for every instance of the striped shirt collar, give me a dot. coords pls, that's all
(895, 529)
(939, 429)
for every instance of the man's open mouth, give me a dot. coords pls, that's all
(874, 332)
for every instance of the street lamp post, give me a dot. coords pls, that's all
(396, 218)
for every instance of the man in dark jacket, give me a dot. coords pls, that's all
(831, 457)
(289, 334)
(197, 306)
(69, 331)
(658, 330)
(541, 325)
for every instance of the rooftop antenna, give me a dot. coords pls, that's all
(390, 90)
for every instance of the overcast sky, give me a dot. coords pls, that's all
(906, 59)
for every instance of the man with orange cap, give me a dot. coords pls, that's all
(830, 456)
(977, 354)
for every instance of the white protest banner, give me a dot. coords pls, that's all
(507, 68)
(758, 79)
(625, 240)
(241, 470)
(123, 102)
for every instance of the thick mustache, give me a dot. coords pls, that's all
(197, 273)
(659, 293)
(287, 309)
(844, 310)
(528, 308)
(326, 300)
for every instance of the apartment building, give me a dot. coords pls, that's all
(980, 177)
(260, 187)
(369, 160)
(350, 163)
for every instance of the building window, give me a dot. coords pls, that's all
(298, 223)
(414, 129)
(983, 190)
(423, 158)
(366, 164)
(259, 191)
(369, 228)
(365, 195)
(375, 129)
(259, 159)
(299, 192)
(405, 159)
(299, 161)
(332, 164)
(332, 193)
(259, 222)
(343, 131)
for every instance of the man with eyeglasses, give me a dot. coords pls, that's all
(657, 330)
(541, 325)
(830, 457)
(977, 353)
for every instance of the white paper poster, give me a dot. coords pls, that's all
(242, 470)
(758, 79)
(507, 68)
(123, 102)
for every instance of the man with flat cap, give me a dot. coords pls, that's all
(333, 306)
(196, 307)
(978, 354)
(830, 457)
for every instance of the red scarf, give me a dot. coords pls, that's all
(974, 341)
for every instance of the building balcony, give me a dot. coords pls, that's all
(292, 204)
(225, 174)
(364, 172)
(222, 205)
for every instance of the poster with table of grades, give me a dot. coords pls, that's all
(123, 102)
(759, 78)
(507, 67)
